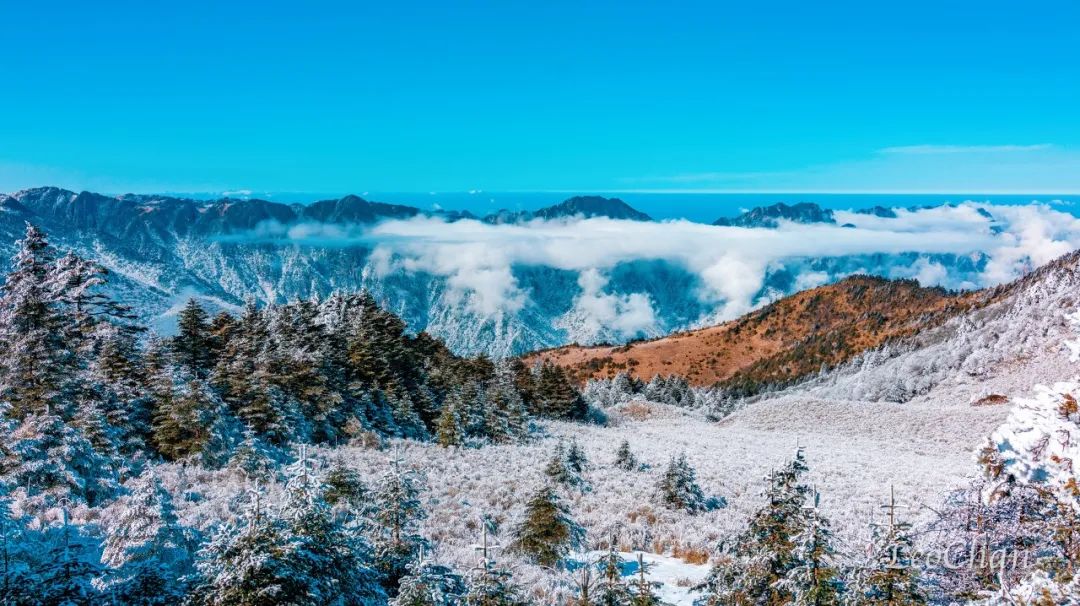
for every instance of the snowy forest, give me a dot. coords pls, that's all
(317, 452)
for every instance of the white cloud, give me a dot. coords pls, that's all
(477, 259)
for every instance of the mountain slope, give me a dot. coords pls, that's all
(784, 341)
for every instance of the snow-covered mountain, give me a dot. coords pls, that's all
(163, 250)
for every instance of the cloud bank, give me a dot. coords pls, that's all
(731, 264)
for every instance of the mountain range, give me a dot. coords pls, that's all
(163, 250)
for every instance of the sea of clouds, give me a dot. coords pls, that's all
(731, 264)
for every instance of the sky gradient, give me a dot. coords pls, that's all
(515, 96)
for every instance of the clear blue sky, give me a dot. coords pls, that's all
(505, 95)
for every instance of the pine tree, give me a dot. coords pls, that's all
(642, 590)
(624, 457)
(679, 489)
(429, 584)
(507, 418)
(298, 555)
(192, 344)
(253, 458)
(559, 470)
(344, 487)
(765, 551)
(575, 458)
(395, 513)
(180, 421)
(893, 579)
(38, 362)
(51, 462)
(448, 430)
(611, 591)
(489, 585)
(147, 548)
(556, 396)
(547, 533)
(813, 579)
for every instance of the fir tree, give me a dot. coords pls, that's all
(192, 346)
(448, 430)
(147, 547)
(429, 584)
(893, 579)
(679, 489)
(813, 579)
(575, 458)
(344, 487)
(559, 470)
(642, 590)
(547, 533)
(556, 396)
(38, 363)
(624, 457)
(611, 591)
(395, 513)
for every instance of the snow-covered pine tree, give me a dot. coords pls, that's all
(192, 346)
(429, 584)
(297, 555)
(448, 429)
(146, 547)
(624, 457)
(396, 511)
(345, 487)
(37, 363)
(575, 458)
(642, 590)
(611, 590)
(893, 579)
(764, 552)
(508, 419)
(678, 488)
(254, 458)
(490, 585)
(813, 579)
(559, 471)
(547, 532)
(555, 395)
(49, 462)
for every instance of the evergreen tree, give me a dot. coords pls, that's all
(506, 418)
(297, 556)
(192, 345)
(253, 458)
(611, 591)
(624, 457)
(812, 579)
(765, 552)
(559, 470)
(429, 584)
(547, 533)
(575, 458)
(396, 512)
(345, 488)
(642, 590)
(38, 363)
(147, 548)
(448, 430)
(556, 396)
(893, 579)
(489, 585)
(679, 489)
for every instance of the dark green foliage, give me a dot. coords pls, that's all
(679, 489)
(554, 395)
(547, 533)
(624, 457)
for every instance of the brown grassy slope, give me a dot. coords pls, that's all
(780, 343)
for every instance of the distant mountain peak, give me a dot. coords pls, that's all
(770, 216)
(577, 206)
(593, 206)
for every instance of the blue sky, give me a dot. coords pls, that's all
(519, 96)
